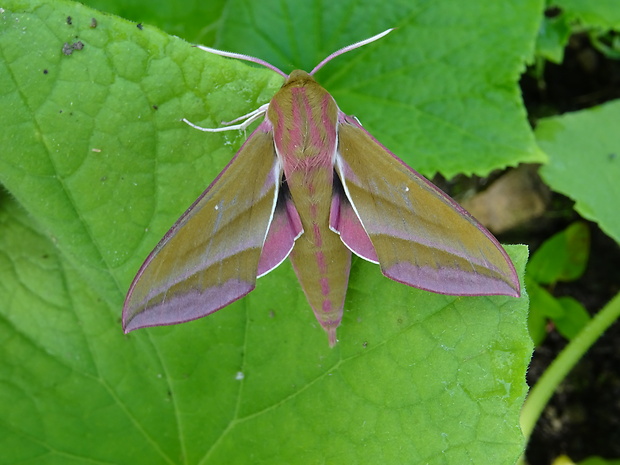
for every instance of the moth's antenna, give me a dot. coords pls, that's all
(348, 48)
(240, 56)
(260, 62)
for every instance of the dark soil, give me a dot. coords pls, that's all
(583, 417)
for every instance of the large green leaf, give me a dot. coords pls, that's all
(99, 166)
(417, 377)
(584, 153)
(441, 91)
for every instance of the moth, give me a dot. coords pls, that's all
(312, 185)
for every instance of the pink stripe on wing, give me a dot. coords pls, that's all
(190, 304)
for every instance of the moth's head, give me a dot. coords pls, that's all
(298, 78)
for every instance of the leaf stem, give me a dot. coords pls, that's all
(564, 362)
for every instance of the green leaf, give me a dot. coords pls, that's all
(598, 17)
(552, 37)
(584, 152)
(602, 14)
(432, 378)
(195, 21)
(543, 307)
(457, 98)
(98, 166)
(573, 320)
(450, 105)
(563, 257)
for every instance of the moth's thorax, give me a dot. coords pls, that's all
(304, 118)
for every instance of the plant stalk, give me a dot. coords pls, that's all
(564, 362)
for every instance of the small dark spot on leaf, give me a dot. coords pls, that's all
(155, 107)
(365, 344)
(104, 178)
(139, 26)
(69, 20)
(93, 23)
(45, 71)
(45, 256)
(68, 49)
(553, 12)
(612, 156)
